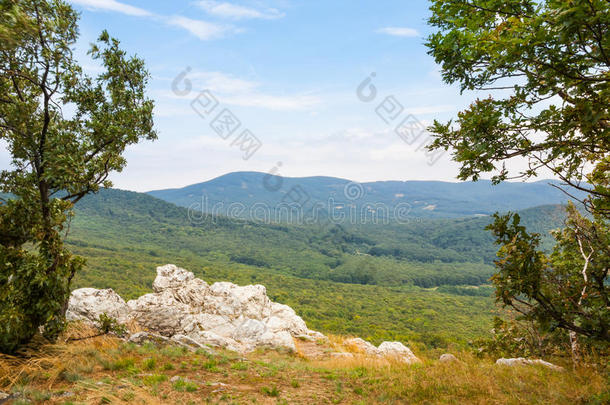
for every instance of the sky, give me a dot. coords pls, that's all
(293, 75)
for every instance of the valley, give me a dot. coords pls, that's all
(422, 282)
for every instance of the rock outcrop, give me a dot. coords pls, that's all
(222, 314)
(185, 310)
(520, 361)
(394, 350)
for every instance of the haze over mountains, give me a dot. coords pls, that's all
(335, 197)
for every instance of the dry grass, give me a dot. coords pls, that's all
(51, 360)
(472, 380)
(106, 370)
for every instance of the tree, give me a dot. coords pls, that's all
(566, 289)
(545, 66)
(66, 132)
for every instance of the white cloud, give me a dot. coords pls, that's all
(235, 91)
(273, 102)
(201, 29)
(399, 31)
(237, 12)
(223, 83)
(112, 5)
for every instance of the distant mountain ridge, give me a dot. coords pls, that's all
(335, 196)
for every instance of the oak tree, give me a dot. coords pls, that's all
(541, 70)
(66, 131)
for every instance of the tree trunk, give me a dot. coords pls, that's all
(575, 347)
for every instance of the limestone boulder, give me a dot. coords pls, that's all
(447, 358)
(362, 346)
(520, 361)
(397, 351)
(87, 304)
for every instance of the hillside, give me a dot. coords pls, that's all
(106, 370)
(384, 276)
(173, 363)
(253, 195)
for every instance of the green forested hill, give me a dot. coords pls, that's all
(331, 252)
(379, 282)
(340, 197)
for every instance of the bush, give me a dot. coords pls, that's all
(271, 392)
(183, 385)
(108, 324)
(149, 364)
(520, 339)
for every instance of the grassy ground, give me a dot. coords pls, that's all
(107, 370)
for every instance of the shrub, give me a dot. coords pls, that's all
(149, 364)
(107, 324)
(271, 392)
(184, 385)
(239, 366)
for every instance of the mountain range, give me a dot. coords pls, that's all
(253, 195)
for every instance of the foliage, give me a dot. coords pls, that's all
(125, 235)
(431, 252)
(473, 291)
(567, 289)
(56, 159)
(548, 63)
(31, 295)
(271, 392)
(108, 324)
(520, 339)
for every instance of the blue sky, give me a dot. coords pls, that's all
(288, 70)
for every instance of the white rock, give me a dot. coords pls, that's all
(87, 304)
(362, 346)
(279, 339)
(250, 330)
(447, 358)
(283, 317)
(188, 341)
(171, 276)
(160, 313)
(239, 318)
(229, 300)
(181, 285)
(212, 339)
(315, 335)
(208, 322)
(305, 338)
(520, 361)
(398, 351)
